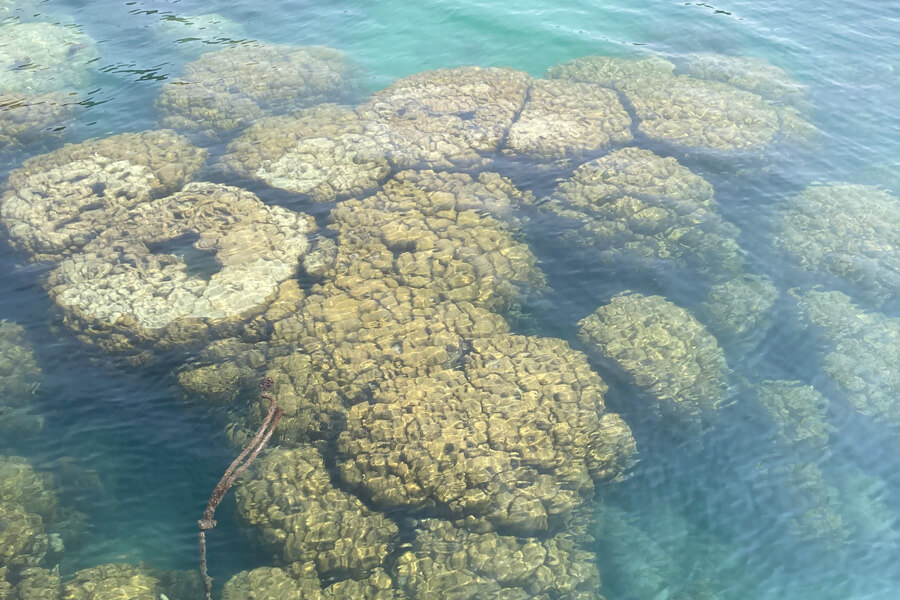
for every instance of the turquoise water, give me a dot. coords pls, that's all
(139, 459)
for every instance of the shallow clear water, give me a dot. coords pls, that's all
(139, 460)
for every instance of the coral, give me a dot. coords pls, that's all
(298, 513)
(36, 583)
(26, 119)
(864, 354)
(21, 485)
(816, 504)
(58, 202)
(272, 583)
(23, 541)
(664, 350)
(446, 562)
(112, 582)
(475, 440)
(20, 375)
(223, 370)
(849, 231)
(797, 411)
(229, 89)
(435, 231)
(747, 73)
(637, 204)
(740, 310)
(127, 286)
(687, 111)
(326, 152)
(37, 58)
(448, 117)
(563, 118)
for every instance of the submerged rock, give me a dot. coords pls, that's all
(37, 58)
(230, 89)
(296, 512)
(474, 440)
(664, 350)
(27, 119)
(565, 118)
(851, 232)
(634, 204)
(327, 152)
(129, 285)
(864, 354)
(686, 111)
(448, 117)
(58, 202)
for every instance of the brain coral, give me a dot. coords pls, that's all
(447, 561)
(864, 358)
(129, 285)
(634, 203)
(301, 516)
(230, 89)
(474, 440)
(686, 111)
(58, 202)
(37, 58)
(448, 117)
(326, 151)
(664, 349)
(851, 232)
(26, 119)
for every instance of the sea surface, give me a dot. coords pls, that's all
(139, 459)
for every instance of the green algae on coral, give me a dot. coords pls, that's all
(58, 202)
(227, 90)
(634, 203)
(851, 232)
(664, 350)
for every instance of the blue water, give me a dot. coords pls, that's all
(146, 459)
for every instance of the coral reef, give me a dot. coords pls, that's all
(19, 377)
(27, 506)
(739, 311)
(229, 89)
(298, 513)
(797, 412)
(474, 440)
(563, 118)
(112, 582)
(849, 231)
(686, 111)
(301, 583)
(56, 203)
(633, 203)
(664, 350)
(37, 58)
(128, 285)
(747, 73)
(447, 561)
(27, 119)
(326, 152)
(448, 117)
(864, 354)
